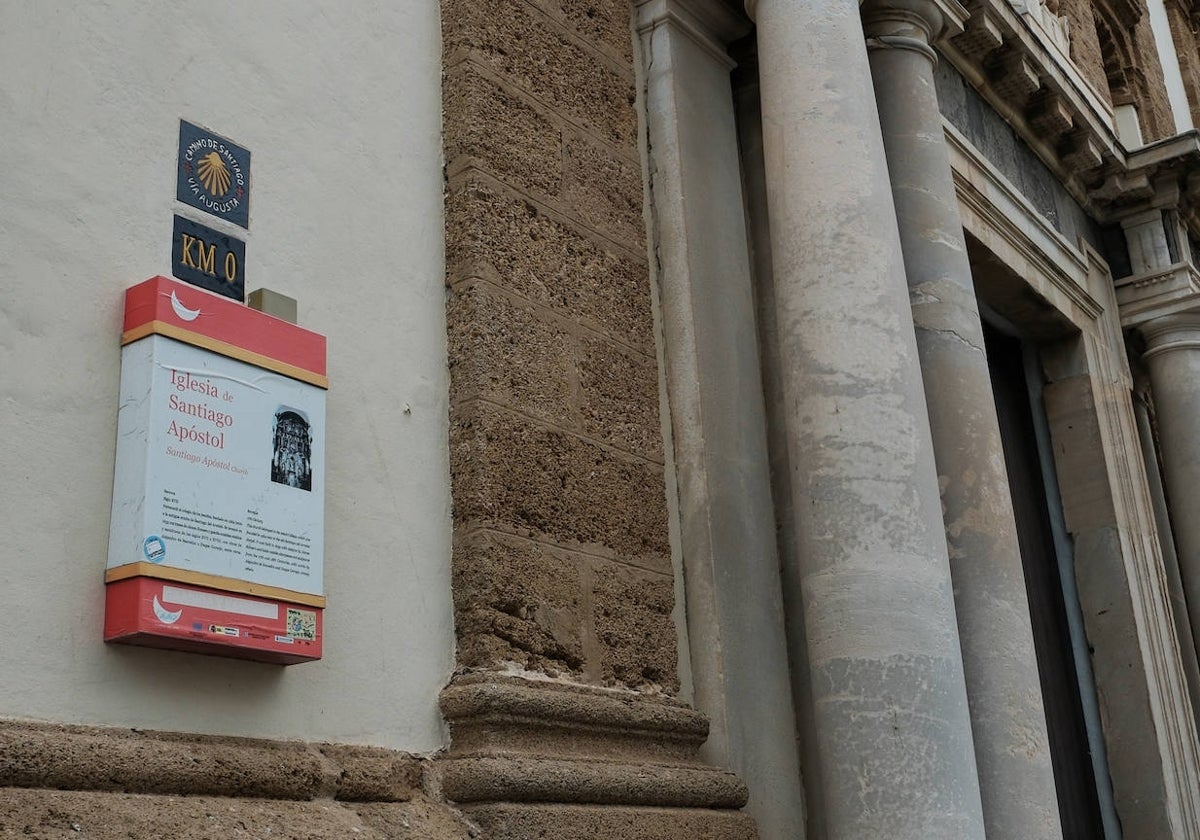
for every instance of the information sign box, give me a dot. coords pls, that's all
(220, 480)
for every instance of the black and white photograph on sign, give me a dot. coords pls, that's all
(291, 462)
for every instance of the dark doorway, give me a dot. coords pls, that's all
(1069, 747)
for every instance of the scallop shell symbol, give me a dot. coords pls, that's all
(214, 174)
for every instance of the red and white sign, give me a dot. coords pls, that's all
(219, 483)
(160, 613)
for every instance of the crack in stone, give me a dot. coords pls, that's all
(954, 333)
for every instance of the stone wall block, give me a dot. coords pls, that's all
(1119, 674)
(373, 774)
(513, 243)
(619, 397)
(1085, 44)
(420, 819)
(507, 821)
(1187, 49)
(602, 23)
(1158, 122)
(604, 191)
(517, 601)
(82, 758)
(502, 351)
(1078, 454)
(539, 56)
(493, 128)
(66, 815)
(511, 474)
(632, 611)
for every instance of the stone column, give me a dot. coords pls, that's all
(888, 695)
(1012, 749)
(1173, 357)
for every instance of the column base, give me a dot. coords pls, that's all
(539, 758)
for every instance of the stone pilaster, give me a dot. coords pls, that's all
(1008, 720)
(735, 618)
(562, 567)
(888, 695)
(1173, 358)
(1161, 299)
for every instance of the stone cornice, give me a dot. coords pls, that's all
(1040, 93)
(1149, 298)
(1163, 175)
(1157, 199)
(1030, 81)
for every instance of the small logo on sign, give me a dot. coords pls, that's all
(164, 615)
(154, 548)
(182, 311)
(302, 624)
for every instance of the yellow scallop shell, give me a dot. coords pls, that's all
(214, 174)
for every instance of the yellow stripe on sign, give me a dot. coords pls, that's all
(142, 569)
(223, 348)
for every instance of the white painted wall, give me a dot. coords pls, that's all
(340, 107)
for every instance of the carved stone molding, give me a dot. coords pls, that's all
(1030, 81)
(1037, 89)
(911, 24)
(59, 779)
(709, 23)
(541, 751)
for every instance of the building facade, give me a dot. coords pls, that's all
(745, 419)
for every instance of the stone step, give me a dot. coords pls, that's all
(506, 821)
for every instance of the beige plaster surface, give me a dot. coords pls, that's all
(340, 108)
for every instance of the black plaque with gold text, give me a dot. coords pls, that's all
(209, 259)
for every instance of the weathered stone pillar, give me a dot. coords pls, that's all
(1173, 357)
(888, 696)
(1016, 778)
(561, 716)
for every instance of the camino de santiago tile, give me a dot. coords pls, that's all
(214, 174)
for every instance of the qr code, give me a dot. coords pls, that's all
(302, 624)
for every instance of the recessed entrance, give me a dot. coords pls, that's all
(1049, 580)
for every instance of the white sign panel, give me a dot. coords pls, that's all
(220, 468)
